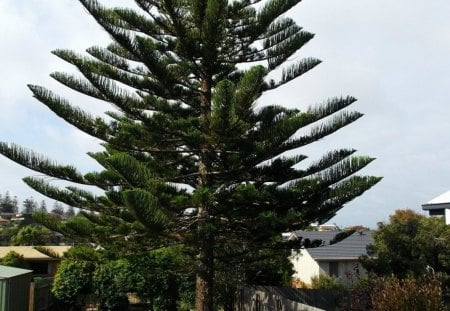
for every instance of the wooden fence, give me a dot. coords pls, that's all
(267, 298)
(41, 298)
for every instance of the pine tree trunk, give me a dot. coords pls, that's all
(204, 277)
(205, 260)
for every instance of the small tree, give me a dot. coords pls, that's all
(57, 209)
(43, 207)
(395, 250)
(29, 206)
(411, 245)
(432, 241)
(8, 204)
(69, 213)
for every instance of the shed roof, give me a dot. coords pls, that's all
(9, 272)
(350, 248)
(29, 252)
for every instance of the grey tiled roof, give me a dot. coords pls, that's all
(350, 248)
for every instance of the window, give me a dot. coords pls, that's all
(39, 267)
(334, 269)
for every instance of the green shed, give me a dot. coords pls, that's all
(14, 289)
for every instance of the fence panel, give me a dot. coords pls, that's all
(42, 295)
(267, 298)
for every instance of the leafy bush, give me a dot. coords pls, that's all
(31, 235)
(83, 253)
(73, 279)
(156, 283)
(393, 294)
(157, 277)
(13, 259)
(109, 286)
(324, 281)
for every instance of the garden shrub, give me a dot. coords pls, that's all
(324, 281)
(409, 294)
(109, 286)
(155, 283)
(73, 281)
(13, 259)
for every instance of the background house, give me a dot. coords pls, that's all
(339, 259)
(439, 206)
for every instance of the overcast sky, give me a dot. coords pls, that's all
(394, 56)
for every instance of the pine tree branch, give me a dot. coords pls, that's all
(39, 163)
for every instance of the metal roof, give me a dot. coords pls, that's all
(350, 248)
(9, 272)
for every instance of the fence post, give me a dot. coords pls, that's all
(31, 298)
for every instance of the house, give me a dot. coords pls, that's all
(4, 222)
(42, 264)
(339, 259)
(11, 219)
(328, 227)
(439, 206)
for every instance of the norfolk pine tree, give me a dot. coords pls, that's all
(186, 134)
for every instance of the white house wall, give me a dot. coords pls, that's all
(305, 266)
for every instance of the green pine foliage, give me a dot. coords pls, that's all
(186, 133)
